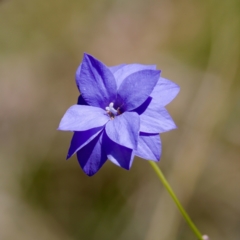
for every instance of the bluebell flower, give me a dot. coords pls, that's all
(119, 114)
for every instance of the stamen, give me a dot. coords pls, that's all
(111, 109)
(111, 105)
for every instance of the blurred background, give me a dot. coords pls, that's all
(195, 43)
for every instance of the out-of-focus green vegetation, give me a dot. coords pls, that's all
(195, 43)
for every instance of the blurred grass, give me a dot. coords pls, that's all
(194, 43)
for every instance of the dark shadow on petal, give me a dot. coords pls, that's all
(136, 88)
(92, 156)
(81, 100)
(141, 109)
(119, 155)
(81, 138)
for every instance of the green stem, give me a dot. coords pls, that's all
(172, 194)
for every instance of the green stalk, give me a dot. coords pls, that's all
(172, 194)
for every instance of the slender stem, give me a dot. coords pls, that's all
(172, 194)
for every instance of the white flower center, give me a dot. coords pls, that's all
(110, 109)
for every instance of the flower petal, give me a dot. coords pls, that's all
(164, 92)
(124, 129)
(143, 107)
(82, 117)
(96, 82)
(117, 154)
(77, 76)
(123, 71)
(136, 88)
(156, 120)
(149, 146)
(80, 139)
(81, 101)
(113, 69)
(92, 156)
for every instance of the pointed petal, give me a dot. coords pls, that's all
(92, 156)
(149, 146)
(124, 129)
(164, 92)
(82, 117)
(117, 154)
(96, 82)
(136, 88)
(156, 120)
(80, 139)
(123, 71)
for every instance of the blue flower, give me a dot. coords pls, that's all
(119, 114)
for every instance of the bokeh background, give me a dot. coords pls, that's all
(195, 43)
